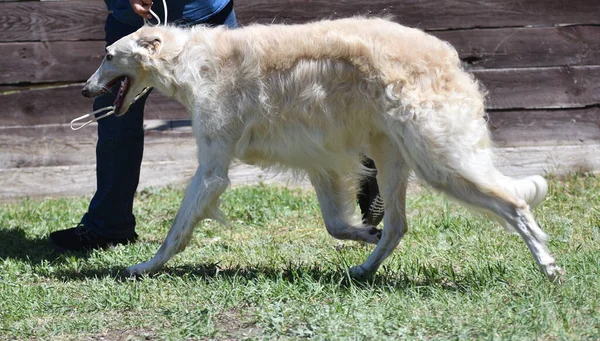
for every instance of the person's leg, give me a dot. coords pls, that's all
(118, 156)
(119, 150)
(368, 197)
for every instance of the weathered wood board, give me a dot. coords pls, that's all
(539, 61)
(52, 20)
(540, 88)
(545, 127)
(83, 19)
(60, 104)
(48, 62)
(529, 88)
(52, 181)
(513, 47)
(170, 140)
(430, 15)
(18, 183)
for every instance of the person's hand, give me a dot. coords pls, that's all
(142, 7)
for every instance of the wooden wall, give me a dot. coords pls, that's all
(539, 60)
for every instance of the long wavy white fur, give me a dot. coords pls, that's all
(313, 98)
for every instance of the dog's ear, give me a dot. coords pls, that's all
(152, 44)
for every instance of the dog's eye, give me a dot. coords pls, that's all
(109, 56)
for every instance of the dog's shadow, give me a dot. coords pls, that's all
(15, 244)
(296, 274)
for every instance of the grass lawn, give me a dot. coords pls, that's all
(276, 274)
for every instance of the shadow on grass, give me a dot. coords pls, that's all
(471, 280)
(15, 244)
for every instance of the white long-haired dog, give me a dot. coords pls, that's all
(314, 97)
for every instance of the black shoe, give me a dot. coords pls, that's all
(374, 214)
(369, 198)
(80, 238)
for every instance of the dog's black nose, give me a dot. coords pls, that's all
(85, 93)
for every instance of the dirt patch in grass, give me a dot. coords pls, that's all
(125, 335)
(234, 324)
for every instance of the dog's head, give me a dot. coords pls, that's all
(133, 60)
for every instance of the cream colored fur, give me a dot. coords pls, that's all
(311, 98)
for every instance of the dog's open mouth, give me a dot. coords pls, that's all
(123, 89)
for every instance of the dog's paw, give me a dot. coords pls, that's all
(555, 273)
(359, 272)
(138, 270)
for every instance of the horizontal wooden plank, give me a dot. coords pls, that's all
(427, 14)
(84, 19)
(47, 62)
(10, 88)
(545, 127)
(541, 88)
(52, 20)
(58, 105)
(558, 87)
(558, 160)
(39, 182)
(525, 47)
(57, 145)
(17, 183)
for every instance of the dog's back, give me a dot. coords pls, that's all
(326, 86)
(377, 47)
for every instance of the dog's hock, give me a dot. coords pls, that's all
(375, 231)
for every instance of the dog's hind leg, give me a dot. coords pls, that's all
(515, 212)
(337, 207)
(200, 201)
(466, 172)
(392, 177)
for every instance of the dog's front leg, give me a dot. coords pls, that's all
(200, 201)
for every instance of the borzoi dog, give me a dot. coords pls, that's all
(312, 98)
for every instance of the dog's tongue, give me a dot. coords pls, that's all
(121, 94)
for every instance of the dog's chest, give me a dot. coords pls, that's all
(296, 144)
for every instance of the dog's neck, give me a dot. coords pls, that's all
(174, 88)
(194, 68)
(184, 89)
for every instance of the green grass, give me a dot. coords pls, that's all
(276, 274)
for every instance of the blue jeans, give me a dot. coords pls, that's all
(119, 153)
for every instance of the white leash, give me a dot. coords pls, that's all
(92, 115)
(146, 22)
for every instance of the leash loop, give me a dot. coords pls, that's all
(147, 22)
(92, 117)
(76, 124)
